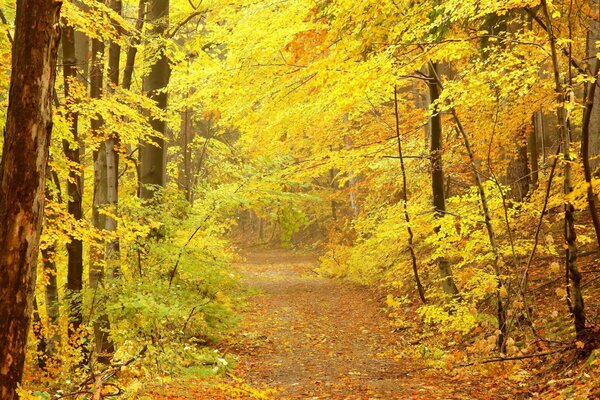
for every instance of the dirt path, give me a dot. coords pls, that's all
(317, 338)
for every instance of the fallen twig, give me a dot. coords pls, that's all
(488, 361)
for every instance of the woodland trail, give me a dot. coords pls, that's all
(317, 338)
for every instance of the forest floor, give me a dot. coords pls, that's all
(309, 337)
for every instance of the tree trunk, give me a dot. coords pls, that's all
(51, 287)
(411, 248)
(112, 157)
(104, 347)
(132, 50)
(501, 313)
(532, 148)
(594, 124)
(572, 271)
(185, 168)
(585, 153)
(437, 177)
(74, 191)
(518, 172)
(51, 295)
(38, 333)
(23, 177)
(153, 157)
(351, 179)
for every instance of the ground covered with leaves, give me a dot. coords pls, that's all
(309, 337)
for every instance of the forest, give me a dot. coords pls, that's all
(299, 199)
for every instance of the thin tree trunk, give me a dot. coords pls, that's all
(576, 298)
(104, 347)
(132, 50)
(51, 295)
(411, 248)
(74, 191)
(23, 177)
(590, 130)
(594, 118)
(51, 286)
(437, 178)
(533, 153)
(333, 186)
(500, 307)
(185, 168)
(585, 153)
(38, 333)
(518, 172)
(112, 157)
(351, 181)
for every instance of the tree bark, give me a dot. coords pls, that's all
(185, 168)
(132, 50)
(594, 124)
(112, 156)
(153, 156)
(411, 248)
(532, 148)
(51, 287)
(38, 333)
(501, 313)
(23, 177)
(74, 191)
(104, 347)
(351, 179)
(585, 153)
(51, 295)
(572, 271)
(518, 172)
(437, 177)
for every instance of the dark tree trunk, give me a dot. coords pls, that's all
(112, 157)
(185, 168)
(594, 122)
(575, 298)
(518, 173)
(74, 190)
(51, 287)
(104, 347)
(501, 308)
(153, 157)
(411, 248)
(23, 177)
(437, 178)
(532, 148)
(51, 295)
(38, 333)
(132, 50)
(585, 153)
